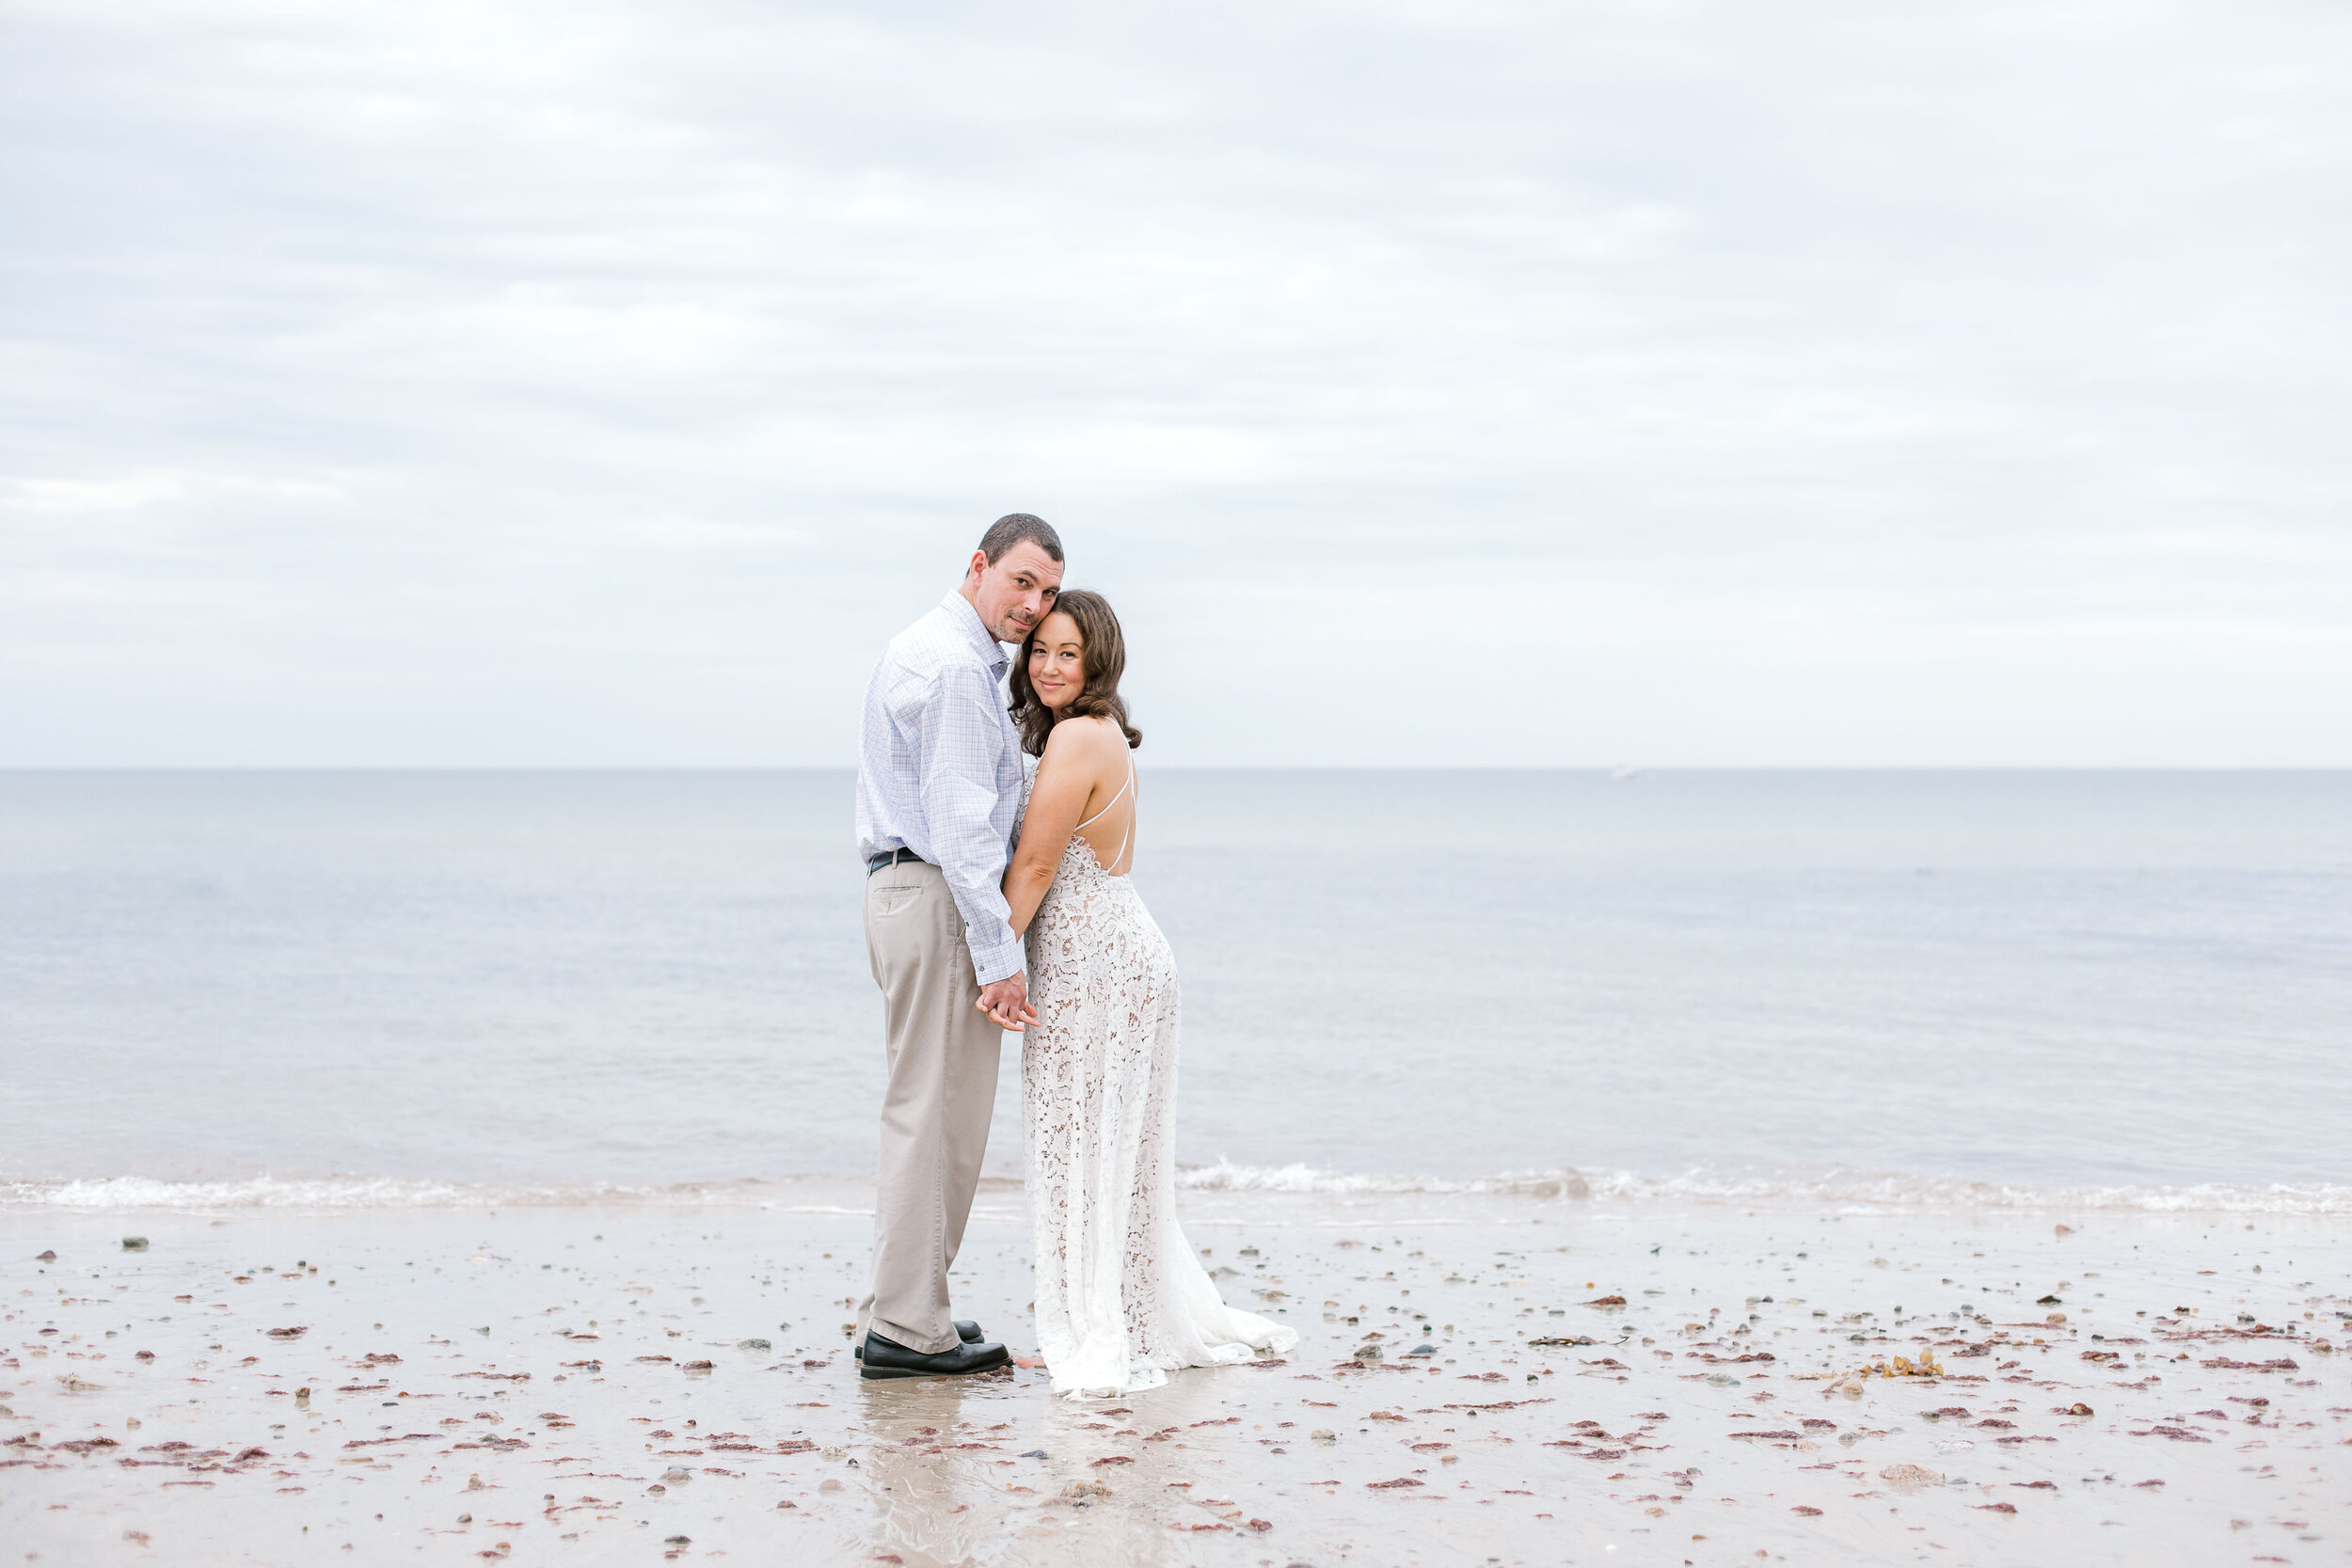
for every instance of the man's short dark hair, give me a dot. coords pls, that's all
(1012, 528)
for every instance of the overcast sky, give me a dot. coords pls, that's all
(1425, 381)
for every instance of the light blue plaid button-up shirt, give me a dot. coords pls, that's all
(939, 769)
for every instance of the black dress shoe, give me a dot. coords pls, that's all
(966, 1330)
(886, 1358)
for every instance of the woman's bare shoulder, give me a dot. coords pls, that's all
(1094, 738)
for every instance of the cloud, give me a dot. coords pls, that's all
(507, 383)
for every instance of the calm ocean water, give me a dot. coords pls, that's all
(378, 986)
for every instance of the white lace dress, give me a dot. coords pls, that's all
(1121, 1297)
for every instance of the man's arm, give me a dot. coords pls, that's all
(959, 736)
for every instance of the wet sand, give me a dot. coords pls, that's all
(592, 1385)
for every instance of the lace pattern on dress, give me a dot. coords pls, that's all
(1121, 1297)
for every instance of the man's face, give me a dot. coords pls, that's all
(1016, 592)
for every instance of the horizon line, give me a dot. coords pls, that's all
(1622, 771)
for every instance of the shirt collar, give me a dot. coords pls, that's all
(967, 619)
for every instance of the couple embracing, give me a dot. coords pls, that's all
(997, 836)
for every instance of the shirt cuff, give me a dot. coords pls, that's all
(1000, 961)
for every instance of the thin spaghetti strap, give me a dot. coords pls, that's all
(1130, 833)
(1112, 801)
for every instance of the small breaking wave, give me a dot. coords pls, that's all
(1225, 1177)
(269, 1191)
(1833, 1188)
(834, 1195)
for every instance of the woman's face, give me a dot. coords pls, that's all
(1057, 662)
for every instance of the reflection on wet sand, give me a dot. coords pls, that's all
(568, 1385)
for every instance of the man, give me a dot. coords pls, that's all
(938, 784)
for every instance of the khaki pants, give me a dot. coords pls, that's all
(942, 1054)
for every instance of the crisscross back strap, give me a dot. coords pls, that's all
(1125, 837)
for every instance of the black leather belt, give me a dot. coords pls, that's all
(894, 858)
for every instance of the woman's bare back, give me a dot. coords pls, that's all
(1108, 825)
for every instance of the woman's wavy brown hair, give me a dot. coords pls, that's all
(1103, 658)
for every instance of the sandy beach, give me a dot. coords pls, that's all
(575, 1385)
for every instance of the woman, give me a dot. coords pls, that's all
(1120, 1295)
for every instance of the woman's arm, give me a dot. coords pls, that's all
(1066, 785)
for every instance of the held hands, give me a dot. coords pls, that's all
(1007, 1003)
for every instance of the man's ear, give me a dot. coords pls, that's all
(979, 564)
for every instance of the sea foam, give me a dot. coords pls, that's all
(1560, 1186)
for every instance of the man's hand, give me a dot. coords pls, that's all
(1006, 1002)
